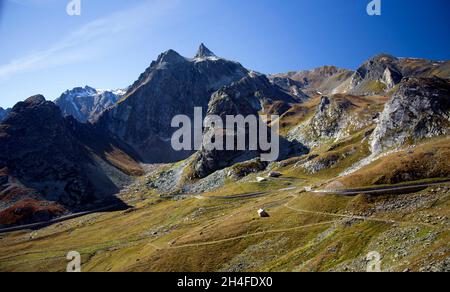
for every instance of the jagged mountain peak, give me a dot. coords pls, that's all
(204, 52)
(171, 86)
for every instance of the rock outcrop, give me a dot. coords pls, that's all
(247, 97)
(335, 118)
(204, 52)
(419, 109)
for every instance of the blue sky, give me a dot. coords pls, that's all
(45, 51)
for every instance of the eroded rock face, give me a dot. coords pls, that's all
(172, 85)
(419, 109)
(335, 118)
(326, 122)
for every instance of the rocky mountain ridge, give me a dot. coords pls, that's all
(327, 109)
(44, 161)
(378, 75)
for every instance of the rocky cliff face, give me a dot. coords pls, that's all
(247, 97)
(171, 86)
(419, 109)
(3, 113)
(335, 118)
(87, 104)
(42, 159)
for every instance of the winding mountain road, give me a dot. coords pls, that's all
(274, 231)
(382, 190)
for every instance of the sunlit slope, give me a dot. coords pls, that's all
(305, 232)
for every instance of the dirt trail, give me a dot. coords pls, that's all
(206, 243)
(363, 218)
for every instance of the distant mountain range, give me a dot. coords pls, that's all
(376, 76)
(87, 104)
(3, 113)
(79, 151)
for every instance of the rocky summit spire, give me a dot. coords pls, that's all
(204, 52)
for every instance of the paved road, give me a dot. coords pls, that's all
(235, 197)
(382, 190)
